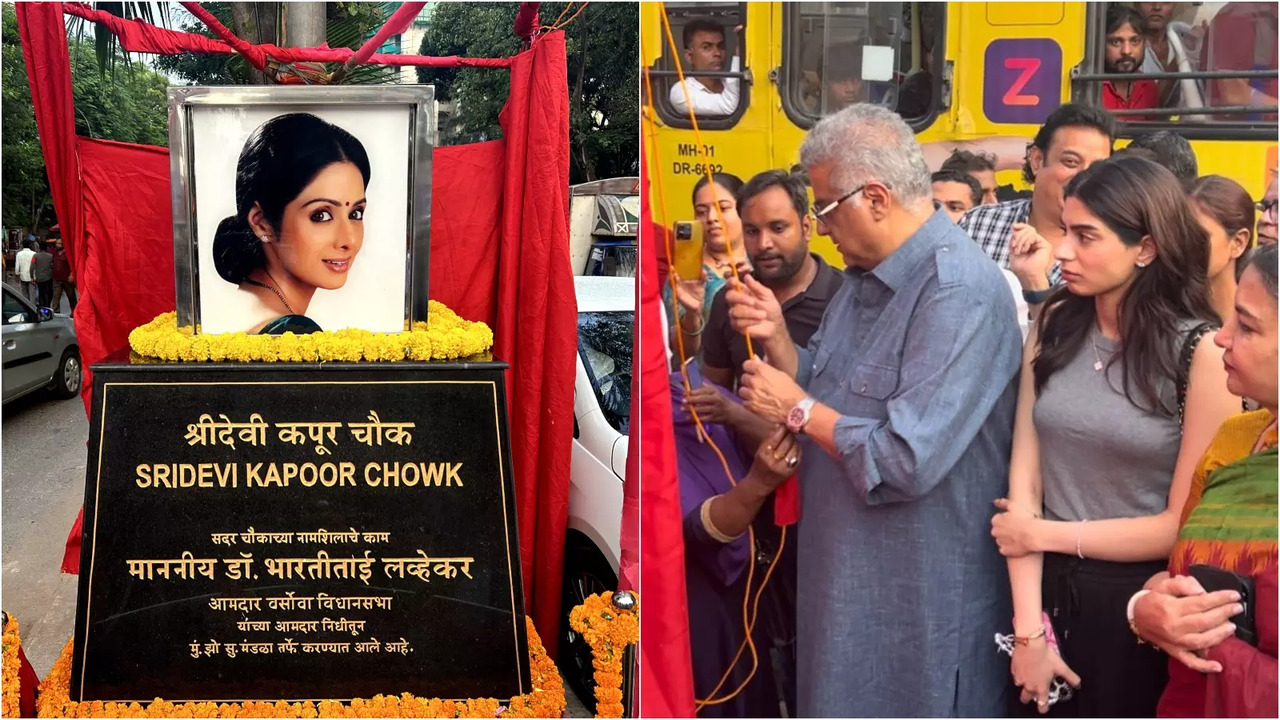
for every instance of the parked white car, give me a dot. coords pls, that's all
(601, 411)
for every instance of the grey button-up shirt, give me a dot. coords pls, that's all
(901, 588)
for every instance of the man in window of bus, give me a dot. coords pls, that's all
(704, 50)
(1126, 46)
(841, 80)
(904, 399)
(1162, 55)
(1021, 235)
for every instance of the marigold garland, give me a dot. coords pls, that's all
(545, 700)
(12, 687)
(444, 336)
(608, 631)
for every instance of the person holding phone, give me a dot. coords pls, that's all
(715, 207)
(1222, 642)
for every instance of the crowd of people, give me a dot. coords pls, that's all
(43, 273)
(1044, 424)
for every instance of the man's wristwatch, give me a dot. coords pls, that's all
(799, 415)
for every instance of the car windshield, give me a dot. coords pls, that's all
(604, 340)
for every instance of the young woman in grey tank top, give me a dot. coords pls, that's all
(1101, 462)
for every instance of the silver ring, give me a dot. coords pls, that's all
(792, 461)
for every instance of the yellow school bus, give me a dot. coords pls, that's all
(955, 71)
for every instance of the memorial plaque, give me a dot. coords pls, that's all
(299, 532)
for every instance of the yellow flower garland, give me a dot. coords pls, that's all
(545, 700)
(608, 631)
(12, 666)
(444, 336)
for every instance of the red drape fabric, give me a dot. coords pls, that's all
(537, 327)
(140, 37)
(28, 685)
(44, 49)
(500, 253)
(666, 671)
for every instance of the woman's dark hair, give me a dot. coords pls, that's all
(1136, 198)
(728, 181)
(279, 159)
(1226, 202)
(1262, 259)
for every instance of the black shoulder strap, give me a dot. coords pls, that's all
(1184, 364)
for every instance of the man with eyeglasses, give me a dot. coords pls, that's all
(1267, 214)
(904, 401)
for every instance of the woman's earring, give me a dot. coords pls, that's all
(1140, 263)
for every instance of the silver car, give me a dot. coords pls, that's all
(40, 350)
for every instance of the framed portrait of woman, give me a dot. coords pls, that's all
(301, 208)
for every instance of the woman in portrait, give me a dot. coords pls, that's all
(299, 222)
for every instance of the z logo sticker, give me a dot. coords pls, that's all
(1022, 80)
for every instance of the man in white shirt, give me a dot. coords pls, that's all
(704, 51)
(22, 265)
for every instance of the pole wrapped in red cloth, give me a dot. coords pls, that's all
(666, 670)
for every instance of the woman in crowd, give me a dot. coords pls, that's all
(1230, 523)
(718, 553)
(299, 222)
(1102, 456)
(715, 206)
(1225, 211)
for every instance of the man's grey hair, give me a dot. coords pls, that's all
(868, 142)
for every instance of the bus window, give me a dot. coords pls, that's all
(709, 35)
(1214, 65)
(839, 53)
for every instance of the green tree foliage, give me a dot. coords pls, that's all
(349, 25)
(603, 57)
(128, 105)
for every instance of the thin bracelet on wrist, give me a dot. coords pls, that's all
(1079, 531)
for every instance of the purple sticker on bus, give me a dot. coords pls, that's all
(1021, 80)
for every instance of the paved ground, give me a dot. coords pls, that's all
(40, 493)
(41, 490)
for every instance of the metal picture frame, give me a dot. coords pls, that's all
(418, 101)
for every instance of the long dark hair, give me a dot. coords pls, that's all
(1135, 198)
(279, 159)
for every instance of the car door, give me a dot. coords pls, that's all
(28, 349)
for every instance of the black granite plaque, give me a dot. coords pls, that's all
(299, 532)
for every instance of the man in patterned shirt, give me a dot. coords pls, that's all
(1021, 235)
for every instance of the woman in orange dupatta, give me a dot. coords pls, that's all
(1230, 522)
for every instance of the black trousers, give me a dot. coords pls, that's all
(44, 289)
(1086, 601)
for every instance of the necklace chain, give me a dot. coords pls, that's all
(275, 289)
(1096, 356)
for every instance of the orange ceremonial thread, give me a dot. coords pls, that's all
(561, 25)
(748, 618)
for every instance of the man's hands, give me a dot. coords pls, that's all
(1183, 620)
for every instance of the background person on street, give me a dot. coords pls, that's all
(704, 49)
(1126, 48)
(42, 275)
(64, 282)
(22, 267)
